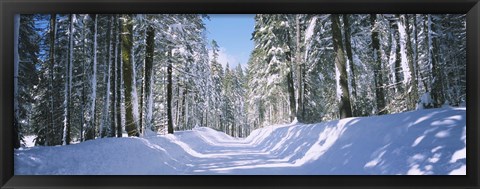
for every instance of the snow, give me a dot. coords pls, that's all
(310, 29)
(425, 101)
(308, 36)
(394, 144)
(337, 80)
(403, 53)
(460, 171)
(29, 140)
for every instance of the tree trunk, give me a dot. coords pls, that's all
(183, 108)
(398, 59)
(378, 77)
(113, 80)
(142, 92)
(291, 88)
(68, 84)
(53, 21)
(169, 97)
(90, 129)
(299, 72)
(84, 81)
(412, 92)
(340, 64)
(148, 76)
(437, 81)
(118, 90)
(105, 126)
(415, 61)
(128, 77)
(348, 49)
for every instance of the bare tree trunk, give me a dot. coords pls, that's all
(340, 64)
(299, 72)
(148, 76)
(437, 81)
(84, 81)
(90, 129)
(118, 108)
(398, 59)
(127, 44)
(53, 30)
(348, 49)
(412, 91)
(169, 97)
(379, 91)
(291, 89)
(105, 126)
(68, 84)
(113, 80)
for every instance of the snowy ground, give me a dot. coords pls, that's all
(418, 142)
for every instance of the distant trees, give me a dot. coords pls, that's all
(83, 76)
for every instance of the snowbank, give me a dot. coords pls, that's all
(431, 141)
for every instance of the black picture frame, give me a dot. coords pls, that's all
(10, 7)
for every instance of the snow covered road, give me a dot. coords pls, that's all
(418, 142)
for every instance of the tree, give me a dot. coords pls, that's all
(148, 76)
(118, 80)
(128, 75)
(407, 62)
(169, 97)
(216, 77)
(299, 72)
(113, 79)
(68, 83)
(105, 128)
(378, 79)
(90, 128)
(341, 72)
(26, 77)
(348, 49)
(53, 30)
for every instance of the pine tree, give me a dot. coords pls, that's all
(217, 74)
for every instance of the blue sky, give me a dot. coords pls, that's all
(232, 33)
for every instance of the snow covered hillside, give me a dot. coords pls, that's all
(428, 141)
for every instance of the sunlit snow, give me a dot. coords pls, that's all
(378, 145)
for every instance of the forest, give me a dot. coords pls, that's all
(80, 77)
